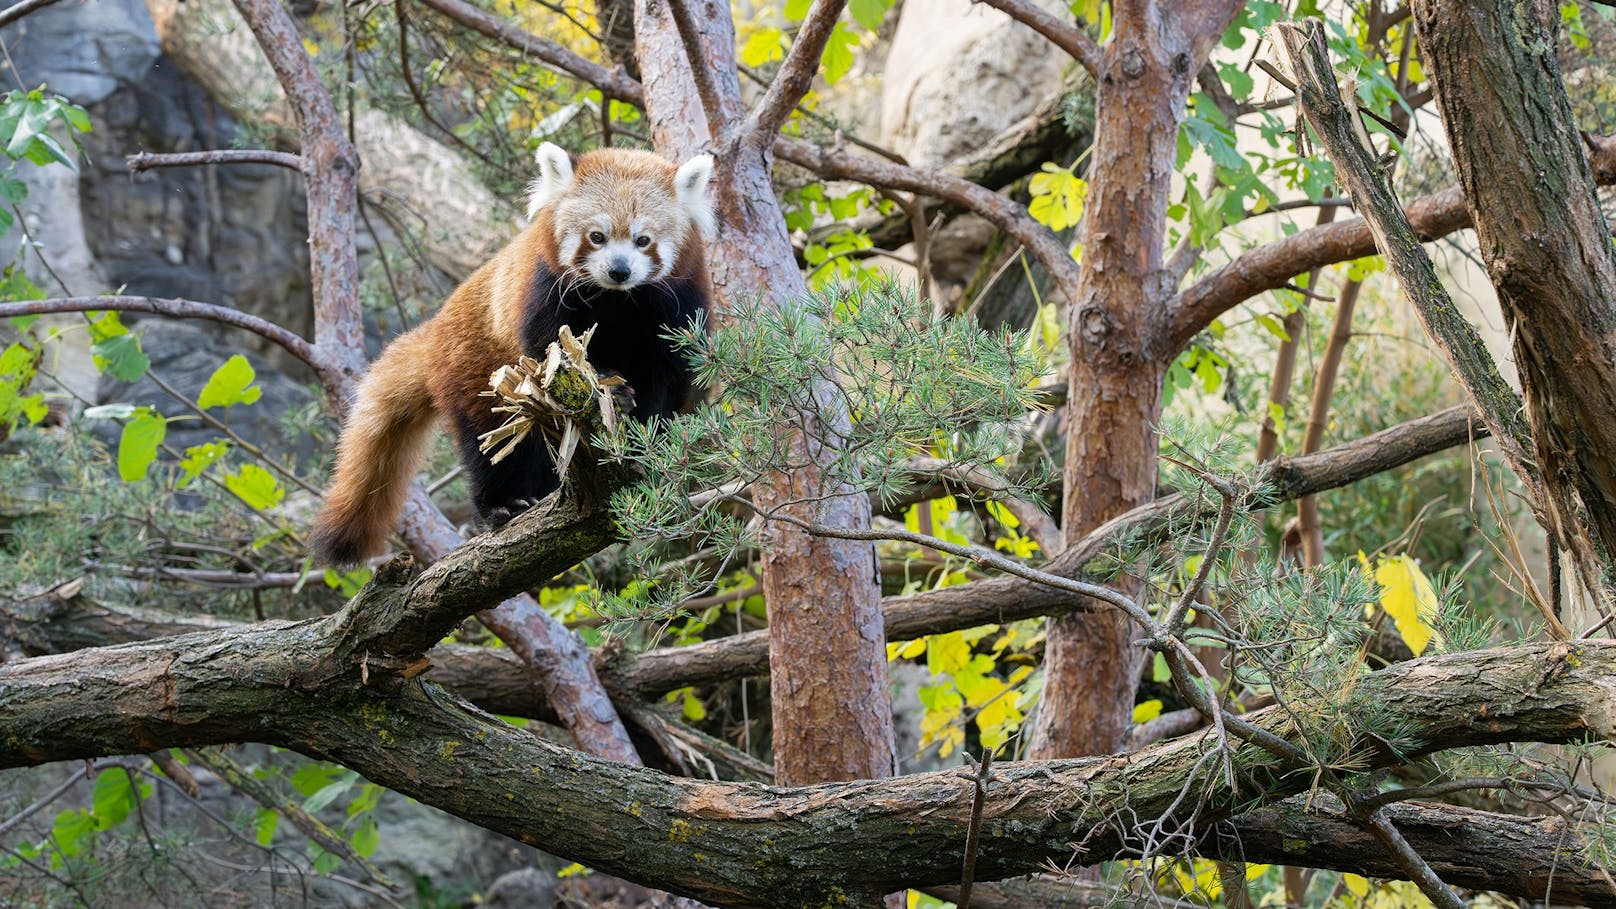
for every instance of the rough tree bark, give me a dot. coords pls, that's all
(1530, 191)
(343, 688)
(831, 704)
(1118, 353)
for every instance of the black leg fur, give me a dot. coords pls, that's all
(504, 490)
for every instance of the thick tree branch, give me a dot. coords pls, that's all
(1065, 35)
(712, 102)
(1532, 857)
(1522, 856)
(1510, 125)
(1332, 117)
(301, 686)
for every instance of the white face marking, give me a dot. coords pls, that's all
(618, 265)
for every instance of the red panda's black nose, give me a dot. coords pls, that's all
(619, 271)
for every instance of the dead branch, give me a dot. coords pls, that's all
(144, 161)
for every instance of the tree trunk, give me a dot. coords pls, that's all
(1546, 243)
(832, 708)
(1118, 360)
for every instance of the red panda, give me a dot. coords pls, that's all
(615, 241)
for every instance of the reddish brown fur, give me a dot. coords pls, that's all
(443, 365)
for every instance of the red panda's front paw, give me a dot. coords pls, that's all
(501, 515)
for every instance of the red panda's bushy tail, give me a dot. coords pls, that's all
(382, 444)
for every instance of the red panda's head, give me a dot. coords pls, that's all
(621, 217)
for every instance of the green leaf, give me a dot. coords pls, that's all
(692, 708)
(112, 799)
(104, 325)
(199, 458)
(255, 486)
(1274, 326)
(72, 831)
(230, 384)
(367, 799)
(311, 778)
(121, 358)
(264, 823)
(366, 837)
(796, 10)
(869, 13)
(325, 862)
(838, 57)
(137, 446)
(326, 795)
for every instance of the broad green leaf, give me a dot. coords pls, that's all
(869, 13)
(255, 486)
(838, 59)
(692, 708)
(72, 831)
(366, 837)
(230, 384)
(1273, 326)
(311, 778)
(326, 795)
(113, 797)
(264, 823)
(199, 458)
(137, 446)
(121, 357)
(104, 325)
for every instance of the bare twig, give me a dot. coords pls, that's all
(315, 358)
(20, 9)
(1417, 868)
(143, 161)
(1065, 35)
(973, 833)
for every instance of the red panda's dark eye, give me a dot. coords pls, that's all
(596, 237)
(642, 241)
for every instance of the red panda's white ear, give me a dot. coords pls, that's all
(555, 177)
(690, 184)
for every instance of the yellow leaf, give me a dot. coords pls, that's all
(1146, 711)
(906, 650)
(947, 653)
(1407, 596)
(763, 45)
(1358, 885)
